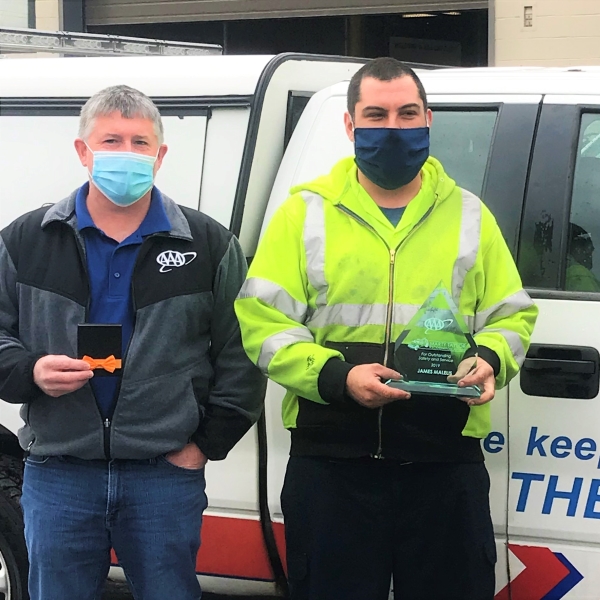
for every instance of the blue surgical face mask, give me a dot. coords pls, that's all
(391, 158)
(123, 177)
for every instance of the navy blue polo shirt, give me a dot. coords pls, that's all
(110, 267)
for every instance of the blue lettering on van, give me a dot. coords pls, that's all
(527, 479)
(593, 499)
(585, 449)
(555, 493)
(536, 443)
(571, 495)
(494, 442)
(561, 446)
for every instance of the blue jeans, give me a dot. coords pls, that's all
(149, 511)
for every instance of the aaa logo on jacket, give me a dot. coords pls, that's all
(186, 268)
(170, 259)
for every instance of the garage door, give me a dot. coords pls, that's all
(112, 12)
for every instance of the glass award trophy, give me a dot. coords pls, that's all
(431, 347)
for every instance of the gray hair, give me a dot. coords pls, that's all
(129, 102)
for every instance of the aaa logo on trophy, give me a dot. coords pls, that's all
(431, 347)
(433, 324)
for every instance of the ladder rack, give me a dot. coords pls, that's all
(85, 44)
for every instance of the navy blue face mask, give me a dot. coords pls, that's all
(391, 158)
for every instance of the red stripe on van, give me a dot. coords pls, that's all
(233, 547)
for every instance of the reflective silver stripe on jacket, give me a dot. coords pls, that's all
(509, 306)
(314, 245)
(274, 295)
(470, 321)
(359, 315)
(513, 340)
(280, 340)
(470, 233)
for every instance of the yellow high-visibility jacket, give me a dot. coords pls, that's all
(332, 285)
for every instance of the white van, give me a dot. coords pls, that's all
(526, 140)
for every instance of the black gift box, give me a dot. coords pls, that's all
(100, 342)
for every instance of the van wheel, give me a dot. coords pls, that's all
(14, 565)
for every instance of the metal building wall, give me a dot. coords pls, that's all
(112, 12)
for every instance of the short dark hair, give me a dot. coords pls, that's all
(383, 69)
(579, 236)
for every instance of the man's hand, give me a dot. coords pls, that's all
(478, 373)
(59, 375)
(189, 457)
(364, 384)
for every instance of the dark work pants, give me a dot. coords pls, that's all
(352, 525)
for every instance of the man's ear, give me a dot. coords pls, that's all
(82, 151)
(349, 126)
(159, 158)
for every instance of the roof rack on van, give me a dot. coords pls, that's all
(14, 40)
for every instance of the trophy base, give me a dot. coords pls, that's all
(435, 389)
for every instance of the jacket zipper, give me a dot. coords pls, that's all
(105, 422)
(387, 341)
(388, 320)
(390, 309)
(108, 422)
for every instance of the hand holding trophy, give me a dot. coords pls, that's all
(432, 346)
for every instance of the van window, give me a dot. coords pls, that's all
(296, 104)
(461, 140)
(582, 265)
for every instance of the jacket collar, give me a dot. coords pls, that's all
(341, 188)
(64, 212)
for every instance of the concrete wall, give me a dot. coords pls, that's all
(14, 13)
(562, 33)
(48, 15)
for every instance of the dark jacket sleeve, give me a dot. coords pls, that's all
(16, 362)
(237, 394)
(332, 381)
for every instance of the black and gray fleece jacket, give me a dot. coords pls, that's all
(185, 374)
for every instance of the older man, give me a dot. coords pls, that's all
(118, 460)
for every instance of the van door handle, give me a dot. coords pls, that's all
(558, 371)
(560, 366)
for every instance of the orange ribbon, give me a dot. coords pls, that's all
(109, 364)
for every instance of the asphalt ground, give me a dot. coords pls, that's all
(120, 591)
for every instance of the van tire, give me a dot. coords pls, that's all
(14, 565)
